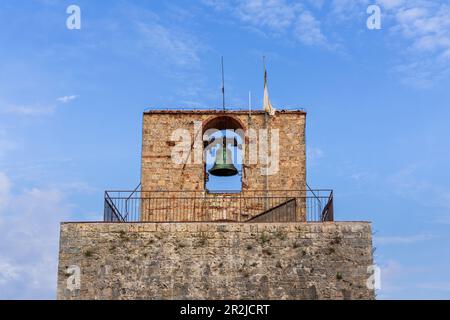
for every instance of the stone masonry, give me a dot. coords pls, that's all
(160, 173)
(158, 127)
(215, 260)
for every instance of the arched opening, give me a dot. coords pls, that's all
(223, 140)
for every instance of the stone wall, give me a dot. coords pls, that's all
(215, 261)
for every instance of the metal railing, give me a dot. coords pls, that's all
(196, 206)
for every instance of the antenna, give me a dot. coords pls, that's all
(223, 88)
(250, 103)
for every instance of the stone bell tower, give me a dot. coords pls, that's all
(271, 237)
(273, 164)
(160, 130)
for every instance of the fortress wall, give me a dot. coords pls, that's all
(215, 261)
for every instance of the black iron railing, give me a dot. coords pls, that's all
(195, 206)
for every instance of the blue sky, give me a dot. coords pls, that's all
(71, 105)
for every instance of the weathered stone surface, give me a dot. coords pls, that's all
(216, 261)
(160, 173)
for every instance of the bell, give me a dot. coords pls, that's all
(221, 168)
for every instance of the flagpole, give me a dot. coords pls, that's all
(265, 71)
(265, 75)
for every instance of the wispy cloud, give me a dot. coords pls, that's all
(345, 10)
(8, 272)
(277, 17)
(35, 110)
(418, 31)
(308, 31)
(174, 45)
(403, 239)
(407, 183)
(153, 36)
(67, 99)
(179, 50)
(390, 271)
(440, 286)
(397, 278)
(28, 267)
(426, 26)
(29, 110)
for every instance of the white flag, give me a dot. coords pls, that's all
(267, 105)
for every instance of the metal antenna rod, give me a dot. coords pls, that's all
(223, 87)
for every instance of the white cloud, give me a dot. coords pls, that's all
(308, 31)
(400, 281)
(29, 228)
(412, 184)
(8, 272)
(177, 50)
(418, 31)
(276, 17)
(403, 239)
(29, 110)
(179, 54)
(34, 110)
(440, 286)
(348, 9)
(407, 183)
(391, 276)
(217, 4)
(428, 27)
(390, 4)
(425, 26)
(318, 4)
(172, 45)
(67, 99)
(274, 14)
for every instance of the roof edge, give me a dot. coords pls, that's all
(215, 111)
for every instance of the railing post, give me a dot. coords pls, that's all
(331, 208)
(328, 211)
(105, 215)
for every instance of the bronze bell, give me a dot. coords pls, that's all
(221, 166)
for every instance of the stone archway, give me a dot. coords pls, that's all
(222, 123)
